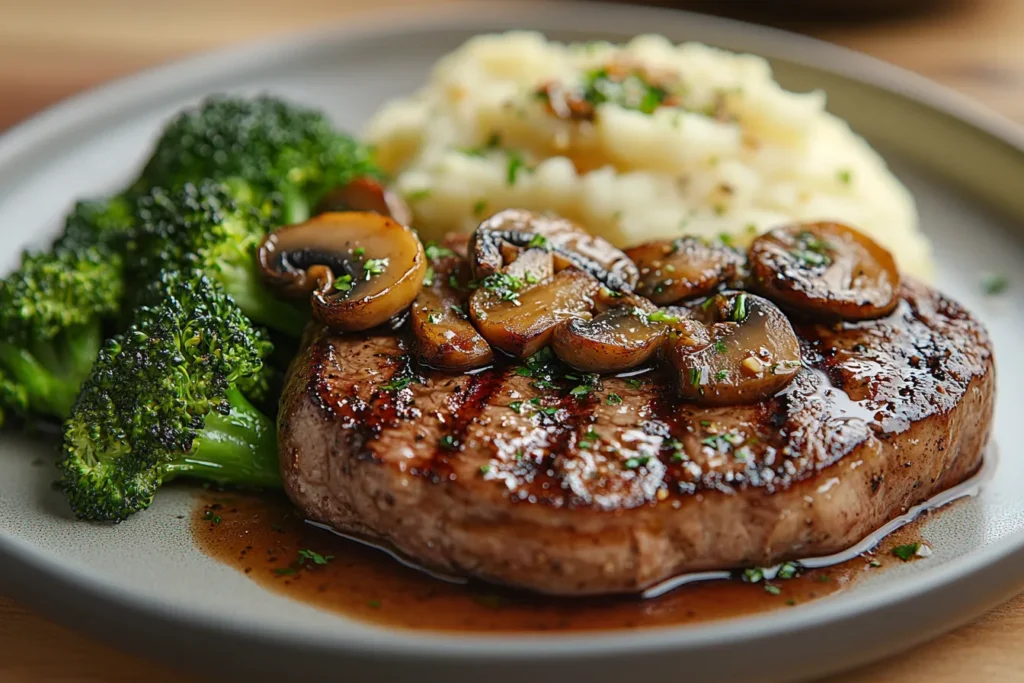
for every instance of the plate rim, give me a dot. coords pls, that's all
(141, 89)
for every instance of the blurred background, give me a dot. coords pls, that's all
(50, 49)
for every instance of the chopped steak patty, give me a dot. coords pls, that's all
(535, 476)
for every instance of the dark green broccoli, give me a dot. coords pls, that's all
(167, 399)
(276, 146)
(53, 307)
(13, 397)
(103, 223)
(216, 228)
(51, 314)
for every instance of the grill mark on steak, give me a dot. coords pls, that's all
(883, 414)
(465, 405)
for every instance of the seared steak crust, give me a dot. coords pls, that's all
(560, 486)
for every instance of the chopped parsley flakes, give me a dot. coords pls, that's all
(434, 252)
(580, 391)
(538, 241)
(343, 283)
(506, 287)
(739, 308)
(375, 266)
(629, 90)
(812, 251)
(908, 551)
(314, 557)
(516, 163)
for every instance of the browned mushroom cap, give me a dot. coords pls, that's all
(519, 318)
(445, 338)
(751, 353)
(673, 270)
(366, 194)
(825, 269)
(497, 239)
(617, 339)
(359, 269)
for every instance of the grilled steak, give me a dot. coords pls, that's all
(537, 477)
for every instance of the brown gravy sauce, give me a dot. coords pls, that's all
(262, 536)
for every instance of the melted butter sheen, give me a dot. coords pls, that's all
(262, 536)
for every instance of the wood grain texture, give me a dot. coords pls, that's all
(50, 49)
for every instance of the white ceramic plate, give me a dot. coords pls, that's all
(143, 585)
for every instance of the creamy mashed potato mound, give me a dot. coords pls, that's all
(700, 142)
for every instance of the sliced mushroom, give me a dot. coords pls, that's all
(618, 339)
(501, 235)
(359, 269)
(366, 194)
(673, 270)
(445, 338)
(521, 319)
(750, 354)
(825, 269)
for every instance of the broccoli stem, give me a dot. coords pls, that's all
(295, 207)
(52, 373)
(239, 448)
(260, 305)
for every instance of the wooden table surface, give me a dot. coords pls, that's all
(52, 48)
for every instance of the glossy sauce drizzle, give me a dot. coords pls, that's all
(267, 539)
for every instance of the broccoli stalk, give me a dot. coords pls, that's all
(277, 147)
(51, 373)
(167, 400)
(217, 228)
(239, 448)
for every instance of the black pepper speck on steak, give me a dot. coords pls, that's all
(621, 487)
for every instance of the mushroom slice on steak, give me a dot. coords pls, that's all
(519, 318)
(828, 270)
(618, 339)
(750, 352)
(498, 238)
(673, 270)
(445, 337)
(359, 269)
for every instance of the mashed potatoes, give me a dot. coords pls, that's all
(642, 141)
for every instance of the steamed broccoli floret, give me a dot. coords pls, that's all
(205, 227)
(276, 146)
(13, 397)
(99, 222)
(51, 313)
(166, 399)
(53, 307)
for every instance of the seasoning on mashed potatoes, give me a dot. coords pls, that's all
(636, 142)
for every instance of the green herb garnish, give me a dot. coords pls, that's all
(375, 266)
(516, 163)
(504, 286)
(343, 283)
(907, 551)
(314, 557)
(538, 241)
(434, 252)
(739, 308)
